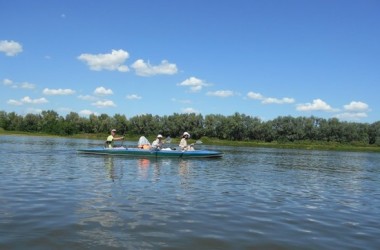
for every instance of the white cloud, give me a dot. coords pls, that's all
(48, 91)
(255, 96)
(221, 93)
(285, 100)
(86, 112)
(269, 100)
(29, 100)
(10, 48)
(7, 82)
(352, 116)
(23, 85)
(14, 102)
(113, 61)
(104, 104)
(27, 85)
(316, 105)
(189, 111)
(103, 91)
(146, 69)
(356, 106)
(33, 111)
(87, 97)
(133, 97)
(194, 84)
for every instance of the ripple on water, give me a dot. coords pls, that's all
(252, 198)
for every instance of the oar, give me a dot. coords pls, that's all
(197, 142)
(122, 141)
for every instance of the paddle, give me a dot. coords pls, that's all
(122, 141)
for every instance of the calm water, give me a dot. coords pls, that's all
(253, 198)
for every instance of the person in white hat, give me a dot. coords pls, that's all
(111, 138)
(158, 143)
(183, 143)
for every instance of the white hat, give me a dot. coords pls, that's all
(186, 134)
(113, 130)
(159, 136)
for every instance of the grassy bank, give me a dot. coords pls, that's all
(309, 145)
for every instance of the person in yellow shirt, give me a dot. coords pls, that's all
(111, 138)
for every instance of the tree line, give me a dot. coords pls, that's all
(236, 127)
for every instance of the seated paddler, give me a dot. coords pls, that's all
(111, 138)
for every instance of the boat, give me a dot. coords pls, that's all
(163, 153)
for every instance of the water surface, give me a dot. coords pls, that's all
(253, 198)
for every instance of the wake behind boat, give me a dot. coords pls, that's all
(166, 152)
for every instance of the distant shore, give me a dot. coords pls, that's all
(308, 145)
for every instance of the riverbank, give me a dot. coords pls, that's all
(308, 145)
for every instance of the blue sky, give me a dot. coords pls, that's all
(264, 58)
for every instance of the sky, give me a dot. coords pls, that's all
(262, 58)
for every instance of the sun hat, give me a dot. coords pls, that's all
(113, 130)
(186, 134)
(159, 136)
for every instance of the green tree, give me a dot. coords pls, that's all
(31, 123)
(4, 120)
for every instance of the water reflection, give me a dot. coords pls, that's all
(109, 164)
(143, 167)
(52, 198)
(183, 168)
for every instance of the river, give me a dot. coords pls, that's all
(252, 198)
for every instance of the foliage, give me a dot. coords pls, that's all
(236, 127)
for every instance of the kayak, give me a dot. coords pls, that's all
(168, 153)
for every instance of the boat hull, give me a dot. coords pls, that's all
(136, 152)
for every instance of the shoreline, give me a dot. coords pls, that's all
(306, 145)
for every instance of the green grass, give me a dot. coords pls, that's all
(308, 145)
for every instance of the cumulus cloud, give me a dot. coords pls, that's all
(146, 69)
(104, 104)
(354, 111)
(103, 91)
(316, 105)
(10, 48)
(7, 82)
(133, 97)
(14, 102)
(356, 106)
(255, 96)
(27, 85)
(269, 100)
(194, 84)
(190, 111)
(285, 100)
(27, 100)
(113, 61)
(48, 91)
(351, 116)
(33, 111)
(221, 93)
(87, 97)
(23, 85)
(86, 112)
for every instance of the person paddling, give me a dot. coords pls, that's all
(111, 138)
(157, 144)
(183, 143)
